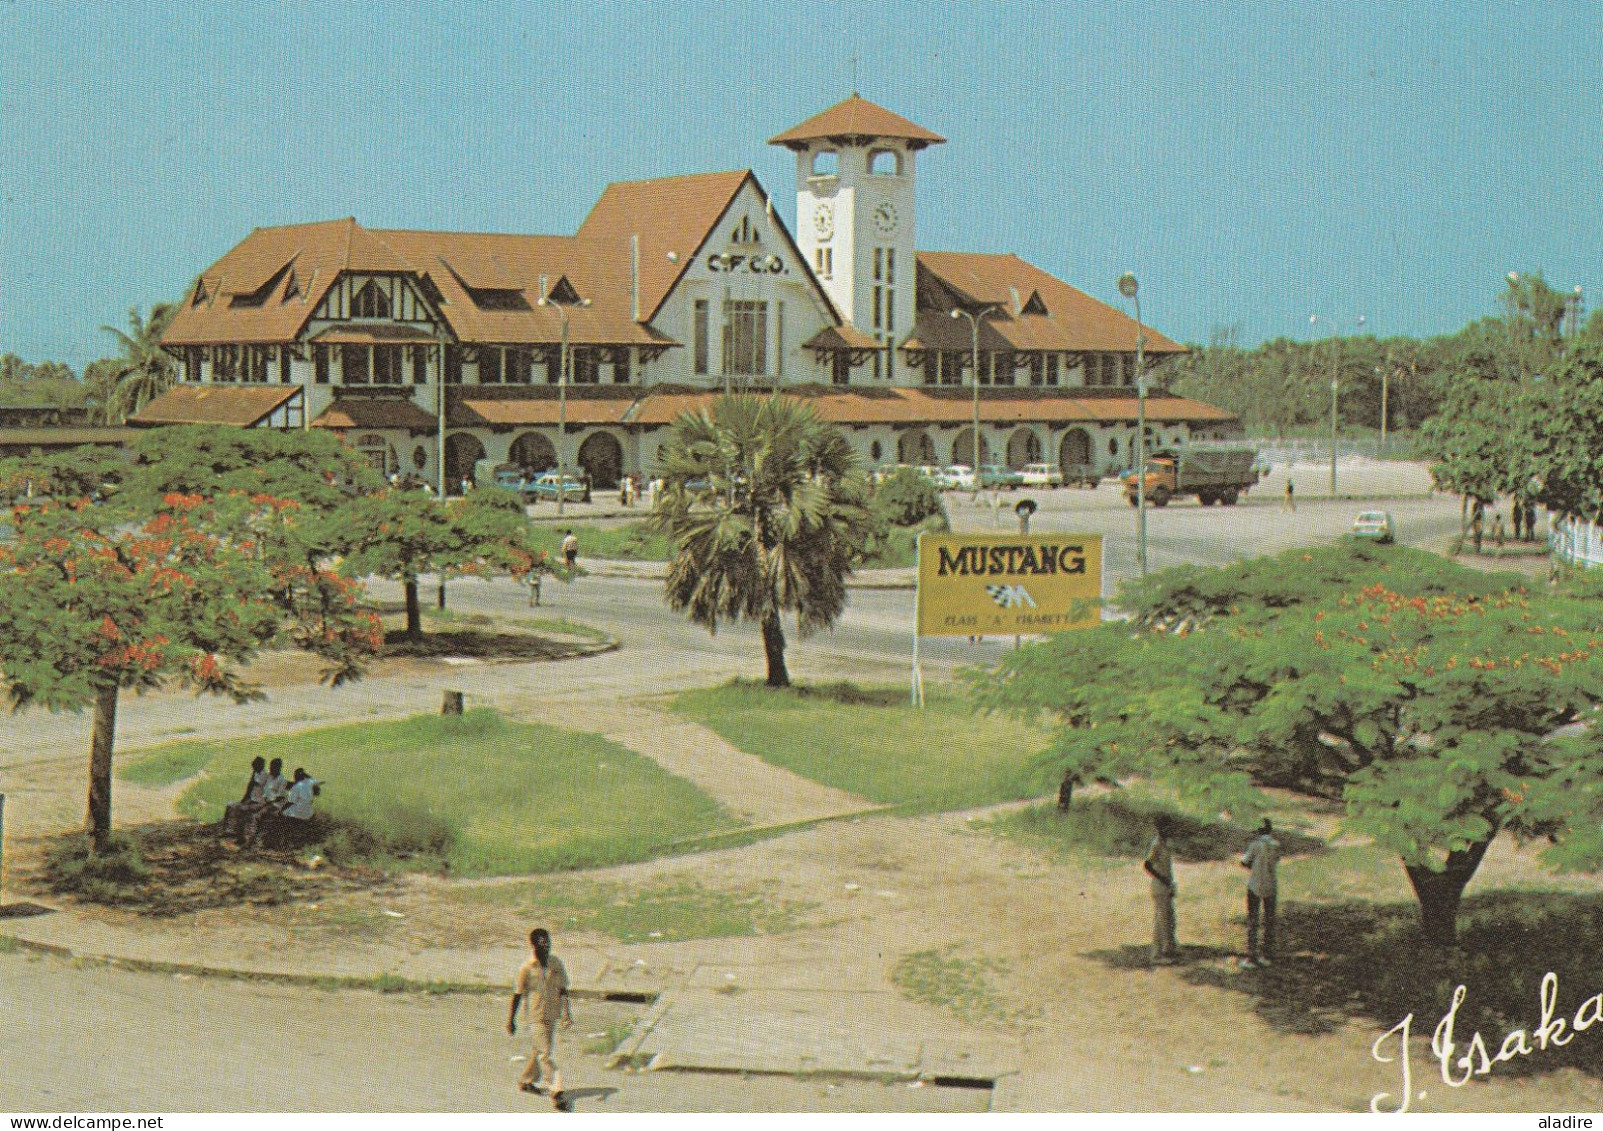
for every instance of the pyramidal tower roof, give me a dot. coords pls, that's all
(856, 118)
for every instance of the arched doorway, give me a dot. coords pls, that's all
(916, 449)
(533, 452)
(1023, 448)
(1075, 451)
(963, 448)
(462, 451)
(601, 458)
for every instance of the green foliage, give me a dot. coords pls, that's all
(313, 468)
(476, 793)
(906, 498)
(145, 370)
(1432, 716)
(1190, 595)
(1120, 824)
(874, 745)
(786, 516)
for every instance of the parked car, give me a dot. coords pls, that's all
(1376, 525)
(957, 477)
(1042, 475)
(995, 475)
(552, 486)
(516, 479)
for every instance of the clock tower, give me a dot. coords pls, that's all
(855, 215)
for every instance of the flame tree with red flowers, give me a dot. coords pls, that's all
(1436, 716)
(94, 601)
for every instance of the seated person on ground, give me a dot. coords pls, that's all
(239, 813)
(295, 818)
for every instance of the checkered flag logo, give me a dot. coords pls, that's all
(1011, 596)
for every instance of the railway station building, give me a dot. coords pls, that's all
(414, 345)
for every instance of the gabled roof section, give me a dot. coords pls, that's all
(856, 117)
(314, 254)
(241, 406)
(1056, 316)
(673, 216)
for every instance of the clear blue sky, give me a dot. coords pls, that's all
(1254, 161)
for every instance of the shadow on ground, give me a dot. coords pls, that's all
(482, 645)
(1368, 963)
(1119, 823)
(179, 868)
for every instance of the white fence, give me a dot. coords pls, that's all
(1576, 543)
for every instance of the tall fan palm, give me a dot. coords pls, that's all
(767, 509)
(144, 371)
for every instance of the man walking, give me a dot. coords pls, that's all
(542, 989)
(1159, 864)
(1261, 860)
(1289, 503)
(570, 548)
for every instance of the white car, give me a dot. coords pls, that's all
(1375, 525)
(957, 477)
(1042, 475)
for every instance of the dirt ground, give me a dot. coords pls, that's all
(1058, 947)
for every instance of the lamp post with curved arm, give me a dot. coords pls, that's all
(564, 360)
(1130, 288)
(974, 341)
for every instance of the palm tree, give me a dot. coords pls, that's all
(144, 371)
(767, 510)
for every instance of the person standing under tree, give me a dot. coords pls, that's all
(1261, 860)
(1498, 536)
(1518, 511)
(542, 989)
(1159, 864)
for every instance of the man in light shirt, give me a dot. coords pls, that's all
(294, 821)
(1261, 859)
(1159, 864)
(542, 989)
(275, 792)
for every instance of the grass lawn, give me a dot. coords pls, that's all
(631, 542)
(480, 794)
(875, 745)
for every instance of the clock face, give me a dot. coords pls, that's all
(885, 219)
(824, 220)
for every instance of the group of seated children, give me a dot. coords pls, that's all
(273, 811)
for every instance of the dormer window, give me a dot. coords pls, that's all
(885, 163)
(370, 302)
(826, 163)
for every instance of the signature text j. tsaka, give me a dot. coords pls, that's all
(1475, 1059)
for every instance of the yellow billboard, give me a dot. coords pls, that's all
(1008, 585)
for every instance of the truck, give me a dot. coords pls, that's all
(1213, 475)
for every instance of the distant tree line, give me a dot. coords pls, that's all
(1282, 387)
(113, 388)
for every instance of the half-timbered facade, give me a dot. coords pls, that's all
(670, 291)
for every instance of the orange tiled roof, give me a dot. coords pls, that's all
(1073, 321)
(856, 117)
(673, 216)
(527, 405)
(375, 412)
(842, 337)
(373, 334)
(239, 405)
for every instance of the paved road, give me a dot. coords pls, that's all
(660, 650)
(74, 1040)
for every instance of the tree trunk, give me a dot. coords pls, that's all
(100, 746)
(414, 613)
(1440, 893)
(774, 646)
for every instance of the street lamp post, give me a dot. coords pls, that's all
(564, 360)
(1130, 289)
(1335, 385)
(974, 341)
